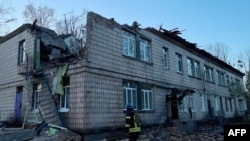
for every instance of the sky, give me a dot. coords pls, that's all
(203, 22)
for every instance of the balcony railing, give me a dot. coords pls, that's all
(26, 67)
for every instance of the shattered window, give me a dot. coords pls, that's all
(36, 97)
(129, 44)
(145, 50)
(64, 100)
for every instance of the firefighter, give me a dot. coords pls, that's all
(133, 123)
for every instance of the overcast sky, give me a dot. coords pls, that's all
(203, 21)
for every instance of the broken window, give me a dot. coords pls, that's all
(147, 98)
(145, 50)
(65, 98)
(179, 67)
(36, 96)
(136, 46)
(130, 93)
(21, 53)
(129, 44)
(165, 57)
(209, 74)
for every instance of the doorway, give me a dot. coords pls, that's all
(18, 104)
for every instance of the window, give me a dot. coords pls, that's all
(144, 50)
(136, 47)
(130, 93)
(237, 84)
(240, 103)
(193, 68)
(228, 81)
(64, 100)
(226, 103)
(179, 67)
(184, 105)
(221, 78)
(21, 52)
(216, 101)
(129, 44)
(202, 102)
(165, 57)
(209, 75)
(138, 94)
(188, 102)
(231, 105)
(36, 97)
(192, 103)
(147, 98)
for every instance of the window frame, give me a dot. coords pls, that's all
(192, 103)
(37, 88)
(202, 100)
(145, 50)
(141, 46)
(21, 53)
(165, 55)
(221, 78)
(146, 98)
(130, 39)
(193, 68)
(131, 97)
(216, 100)
(184, 105)
(179, 63)
(64, 100)
(209, 73)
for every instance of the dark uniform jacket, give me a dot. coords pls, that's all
(132, 122)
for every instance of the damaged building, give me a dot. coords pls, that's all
(85, 87)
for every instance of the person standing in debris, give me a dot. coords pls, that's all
(133, 123)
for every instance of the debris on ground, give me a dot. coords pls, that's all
(208, 133)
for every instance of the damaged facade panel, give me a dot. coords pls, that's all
(86, 88)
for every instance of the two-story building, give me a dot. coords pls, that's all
(87, 87)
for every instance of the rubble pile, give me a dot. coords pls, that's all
(206, 133)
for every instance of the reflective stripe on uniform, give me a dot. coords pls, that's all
(136, 127)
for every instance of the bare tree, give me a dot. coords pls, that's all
(244, 64)
(71, 24)
(44, 15)
(5, 16)
(219, 50)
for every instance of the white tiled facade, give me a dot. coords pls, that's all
(96, 82)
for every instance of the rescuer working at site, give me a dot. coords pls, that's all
(133, 123)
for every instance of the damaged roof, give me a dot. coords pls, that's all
(172, 37)
(47, 36)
